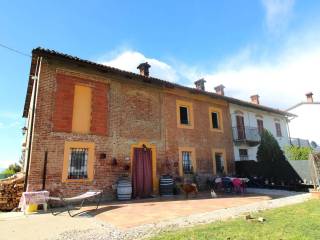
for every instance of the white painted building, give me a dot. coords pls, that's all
(248, 120)
(306, 124)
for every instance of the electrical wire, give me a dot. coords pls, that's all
(14, 50)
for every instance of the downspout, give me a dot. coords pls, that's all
(35, 78)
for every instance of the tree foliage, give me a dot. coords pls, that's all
(297, 153)
(12, 169)
(270, 156)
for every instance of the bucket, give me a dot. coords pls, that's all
(124, 190)
(31, 208)
(166, 185)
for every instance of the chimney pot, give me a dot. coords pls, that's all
(255, 99)
(144, 69)
(309, 97)
(200, 84)
(220, 89)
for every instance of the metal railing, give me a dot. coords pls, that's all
(300, 142)
(250, 134)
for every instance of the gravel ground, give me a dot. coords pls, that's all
(103, 231)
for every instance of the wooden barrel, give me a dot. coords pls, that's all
(166, 185)
(124, 189)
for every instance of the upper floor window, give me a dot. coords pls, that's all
(215, 118)
(260, 125)
(184, 114)
(278, 129)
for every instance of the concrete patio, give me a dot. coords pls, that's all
(134, 219)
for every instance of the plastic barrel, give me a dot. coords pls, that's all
(166, 185)
(124, 190)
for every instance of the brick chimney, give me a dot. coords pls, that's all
(220, 89)
(309, 97)
(255, 99)
(200, 84)
(144, 69)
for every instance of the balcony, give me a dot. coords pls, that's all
(298, 142)
(246, 135)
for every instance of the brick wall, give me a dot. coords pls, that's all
(124, 112)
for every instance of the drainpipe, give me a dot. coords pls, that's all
(35, 78)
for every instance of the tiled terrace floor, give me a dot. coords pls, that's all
(138, 212)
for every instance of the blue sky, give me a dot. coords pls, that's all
(269, 47)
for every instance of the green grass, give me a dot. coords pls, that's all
(300, 221)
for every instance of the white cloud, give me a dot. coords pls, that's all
(129, 60)
(278, 14)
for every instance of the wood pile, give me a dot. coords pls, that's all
(11, 190)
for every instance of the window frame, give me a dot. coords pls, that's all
(221, 151)
(278, 133)
(189, 106)
(220, 122)
(247, 155)
(193, 159)
(66, 160)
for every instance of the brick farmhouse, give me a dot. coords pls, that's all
(89, 124)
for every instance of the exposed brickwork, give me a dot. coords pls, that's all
(124, 112)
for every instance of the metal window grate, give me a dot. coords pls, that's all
(78, 163)
(186, 162)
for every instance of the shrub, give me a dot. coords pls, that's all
(297, 153)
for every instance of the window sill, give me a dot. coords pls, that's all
(187, 126)
(216, 130)
(76, 180)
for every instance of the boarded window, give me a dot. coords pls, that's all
(278, 129)
(186, 162)
(260, 125)
(215, 120)
(81, 119)
(184, 115)
(78, 163)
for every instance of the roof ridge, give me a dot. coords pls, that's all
(40, 50)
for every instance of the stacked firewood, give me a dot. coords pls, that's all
(11, 190)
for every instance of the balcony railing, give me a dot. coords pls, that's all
(300, 142)
(249, 135)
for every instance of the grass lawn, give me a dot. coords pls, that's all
(300, 221)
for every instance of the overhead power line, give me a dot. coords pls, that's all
(14, 50)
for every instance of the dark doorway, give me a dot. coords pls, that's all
(142, 172)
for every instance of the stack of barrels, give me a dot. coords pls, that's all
(166, 185)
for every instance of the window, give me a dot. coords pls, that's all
(215, 115)
(81, 118)
(260, 126)
(278, 129)
(243, 153)
(186, 162)
(184, 114)
(184, 118)
(219, 163)
(241, 130)
(215, 120)
(78, 163)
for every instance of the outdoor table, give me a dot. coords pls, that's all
(39, 197)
